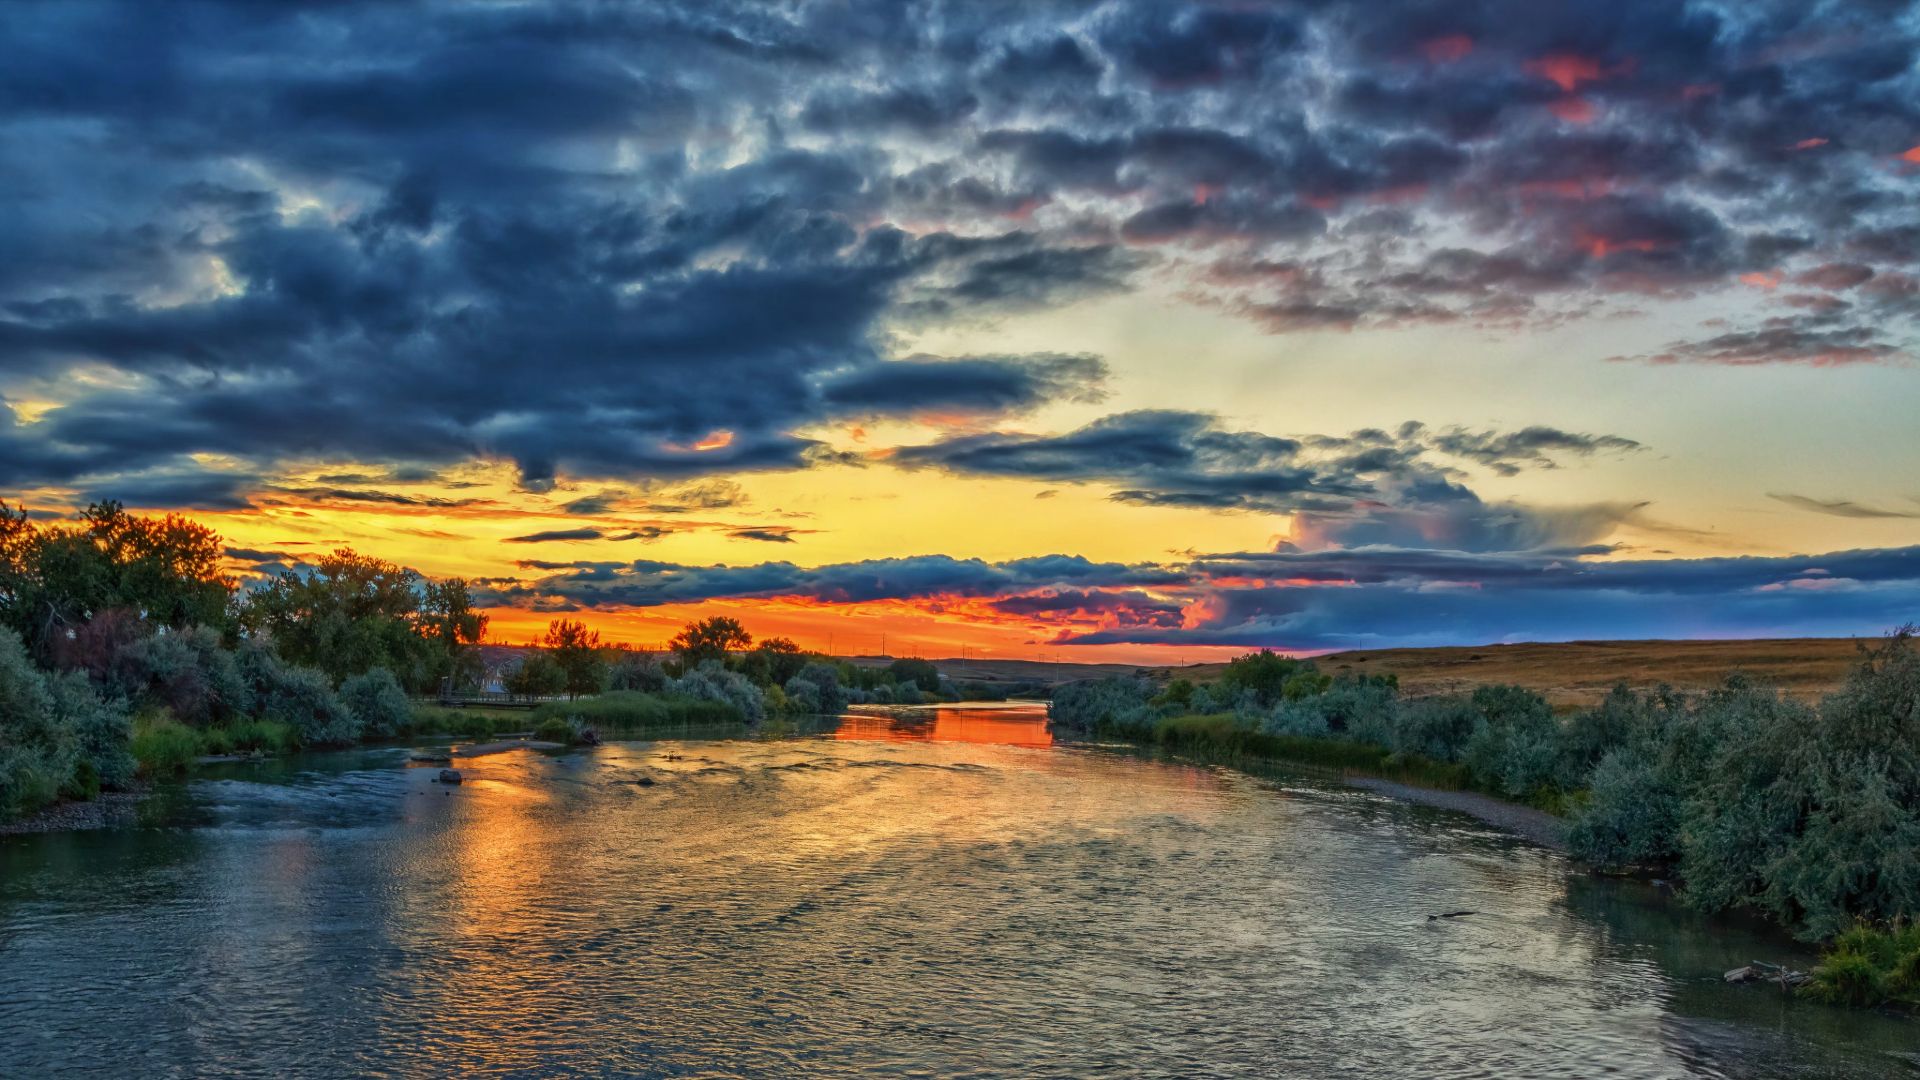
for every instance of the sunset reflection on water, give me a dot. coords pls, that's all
(995, 724)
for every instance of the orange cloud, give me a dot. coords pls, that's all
(1808, 144)
(1566, 70)
(1768, 280)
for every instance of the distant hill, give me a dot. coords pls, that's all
(1566, 673)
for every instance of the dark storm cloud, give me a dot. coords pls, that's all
(1404, 598)
(1295, 599)
(585, 238)
(646, 583)
(1845, 508)
(552, 535)
(1368, 486)
(765, 536)
(1816, 340)
(972, 384)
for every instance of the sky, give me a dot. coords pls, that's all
(1135, 332)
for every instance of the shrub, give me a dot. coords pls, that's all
(920, 673)
(637, 671)
(1116, 703)
(191, 675)
(556, 729)
(630, 711)
(377, 703)
(711, 682)
(304, 699)
(1438, 728)
(1515, 748)
(99, 729)
(1631, 818)
(163, 745)
(37, 754)
(816, 689)
(1869, 965)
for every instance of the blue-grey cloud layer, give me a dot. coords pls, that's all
(582, 237)
(1293, 599)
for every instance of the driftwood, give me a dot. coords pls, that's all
(1761, 971)
(1450, 915)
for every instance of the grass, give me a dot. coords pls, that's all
(163, 745)
(629, 710)
(1868, 966)
(470, 723)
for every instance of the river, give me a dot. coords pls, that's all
(941, 892)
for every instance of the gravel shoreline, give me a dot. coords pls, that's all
(1536, 825)
(111, 810)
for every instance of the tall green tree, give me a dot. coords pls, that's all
(709, 639)
(165, 571)
(576, 651)
(349, 614)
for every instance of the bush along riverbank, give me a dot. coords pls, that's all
(128, 652)
(1745, 798)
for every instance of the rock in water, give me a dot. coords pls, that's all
(449, 776)
(1740, 975)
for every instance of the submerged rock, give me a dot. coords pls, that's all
(432, 759)
(449, 776)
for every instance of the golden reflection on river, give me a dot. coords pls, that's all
(934, 892)
(1009, 724)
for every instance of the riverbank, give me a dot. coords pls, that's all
(1526, 822)
(109, 810)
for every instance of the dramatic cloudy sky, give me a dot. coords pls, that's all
(1090, 330)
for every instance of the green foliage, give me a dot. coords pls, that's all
(469, 723)
(1438, 728)
(537, 676)
(99, 730)
(709, 641)
(575, 651)
(1273, 678)
(774, 661)
(712, 682)
(817, 689)
(558, 729)
(189, 673)
(55, 580)
(1514, 748)
(630, 711)
(303, 699)
(921, 673)
(350, 613)
(379, 705)
(1117, 704)
(636, 671)
(1868, 965)
(163, 745)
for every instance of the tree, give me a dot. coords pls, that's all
(537, 676)
(447, 619)
(783, 659)
(709, 639)
(576, 651)
(352, 613)
(920, 673)
(164, 571)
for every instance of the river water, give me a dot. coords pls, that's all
(939, 893)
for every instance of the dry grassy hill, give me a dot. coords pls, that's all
(1567, 673)
(1581, 672)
